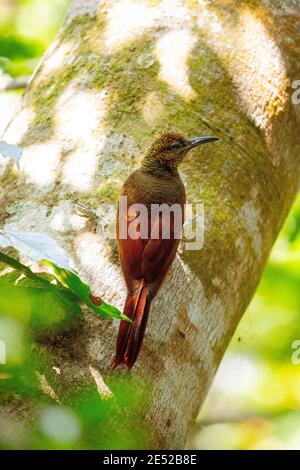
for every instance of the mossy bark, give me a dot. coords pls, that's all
(118, 72)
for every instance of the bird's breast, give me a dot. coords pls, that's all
(144, 188)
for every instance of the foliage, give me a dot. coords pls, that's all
(37, 306)
(42, 248)
(26, 29)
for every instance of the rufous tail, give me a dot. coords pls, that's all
(130, 335)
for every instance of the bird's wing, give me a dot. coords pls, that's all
(130, 249)
(130, 256)
(149, 259)
(159, 253)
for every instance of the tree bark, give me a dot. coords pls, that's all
(118, 72)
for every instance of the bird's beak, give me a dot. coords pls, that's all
(195, 141)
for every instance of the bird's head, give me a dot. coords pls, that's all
(169, 148)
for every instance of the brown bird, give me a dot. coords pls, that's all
(147, 255)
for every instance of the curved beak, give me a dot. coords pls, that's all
(195, 141)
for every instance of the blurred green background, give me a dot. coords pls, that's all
(254, 402)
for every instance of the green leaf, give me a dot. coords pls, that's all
(38, 307)
(73, 288)
(62, 293)
(83, 292)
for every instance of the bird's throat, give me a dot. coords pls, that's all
(158, 165)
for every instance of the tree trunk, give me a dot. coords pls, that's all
(118, 72)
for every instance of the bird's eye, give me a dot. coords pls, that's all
(175, 146)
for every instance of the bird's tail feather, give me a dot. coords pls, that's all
(130, 335)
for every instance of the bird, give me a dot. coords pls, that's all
(145, 253)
